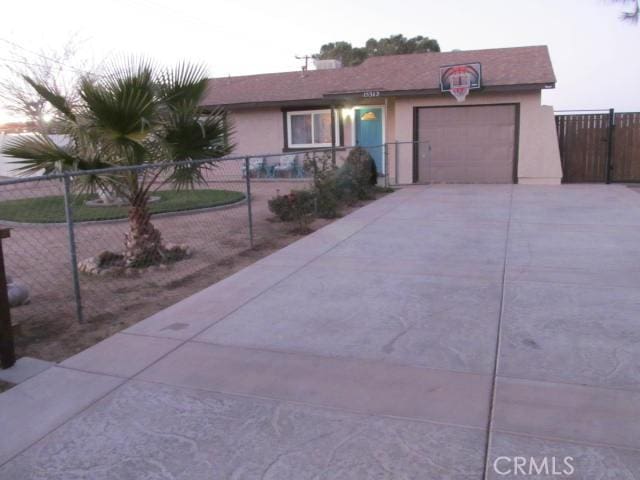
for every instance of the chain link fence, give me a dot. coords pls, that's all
(66, 247)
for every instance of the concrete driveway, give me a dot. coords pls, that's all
(435, 334)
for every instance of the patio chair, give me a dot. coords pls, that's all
(299, 170)
(287, 164)
(256, 167)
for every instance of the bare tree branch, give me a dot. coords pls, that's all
(47, 67)
(632, 15)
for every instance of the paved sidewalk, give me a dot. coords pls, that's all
(367, 350)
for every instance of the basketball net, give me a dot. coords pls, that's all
(460, 85)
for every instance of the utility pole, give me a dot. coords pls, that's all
(306, 61)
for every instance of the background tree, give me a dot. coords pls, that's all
(132, 115)
(343, 51)
(392, 45)
(49, 67)
(632, 15)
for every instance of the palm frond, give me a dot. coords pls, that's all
(38, 152)
(122, 105)
(187, 176)
(184, 85)
(54, 98)
(128, 69)
(97, 182)
(190, 137)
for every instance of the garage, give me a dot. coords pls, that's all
(468, 144)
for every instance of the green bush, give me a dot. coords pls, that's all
(298, 206)
(324, 184)
(328, 202)
(355, 180)
(358, 176)
(373, 175)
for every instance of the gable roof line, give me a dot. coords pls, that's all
(372, 58)
(508, 67)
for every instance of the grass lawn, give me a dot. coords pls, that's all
(51, 209)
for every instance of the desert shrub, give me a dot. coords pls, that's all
(358, 176)
(373, 174)
(298, 206)
(279, 206)
(324, 184)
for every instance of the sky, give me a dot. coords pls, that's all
(596, 56)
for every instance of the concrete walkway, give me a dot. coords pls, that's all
(368, 351)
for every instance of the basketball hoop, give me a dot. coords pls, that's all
(460, 85)
(460, 79)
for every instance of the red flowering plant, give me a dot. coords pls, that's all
(298, 206)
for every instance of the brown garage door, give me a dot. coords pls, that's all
(470, 144)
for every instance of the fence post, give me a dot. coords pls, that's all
(248, 180)
(386, 165)
(68, 212)
(397, 161)
(612, 125)
(7, 348)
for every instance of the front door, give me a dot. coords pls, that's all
(369, 133)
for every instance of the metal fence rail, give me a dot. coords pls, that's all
(56, 233)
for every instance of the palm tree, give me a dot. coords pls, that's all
(133, 115)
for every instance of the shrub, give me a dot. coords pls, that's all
(298, 206)
(279, 206)
(373, 176)
(324, 184)
(358, 176)
(327, 198)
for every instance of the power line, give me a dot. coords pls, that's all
(42, 56)
(24, 62)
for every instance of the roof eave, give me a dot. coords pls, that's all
(334, 98)
(437, 91)
(273, 103)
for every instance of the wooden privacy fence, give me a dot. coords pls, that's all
(599, 147)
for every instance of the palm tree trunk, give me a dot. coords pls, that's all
(143, 243)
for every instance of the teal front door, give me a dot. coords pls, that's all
(369, 133)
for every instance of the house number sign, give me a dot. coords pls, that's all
(371, 93)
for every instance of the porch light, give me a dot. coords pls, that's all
(347, 113)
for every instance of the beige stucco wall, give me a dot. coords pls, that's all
(538, 155)
(541, 163)
(257, 131)
(260, 131)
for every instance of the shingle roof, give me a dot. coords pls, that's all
(501, 67)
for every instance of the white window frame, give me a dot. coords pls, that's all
(290, 143)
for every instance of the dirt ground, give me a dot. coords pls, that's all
(38, 256)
